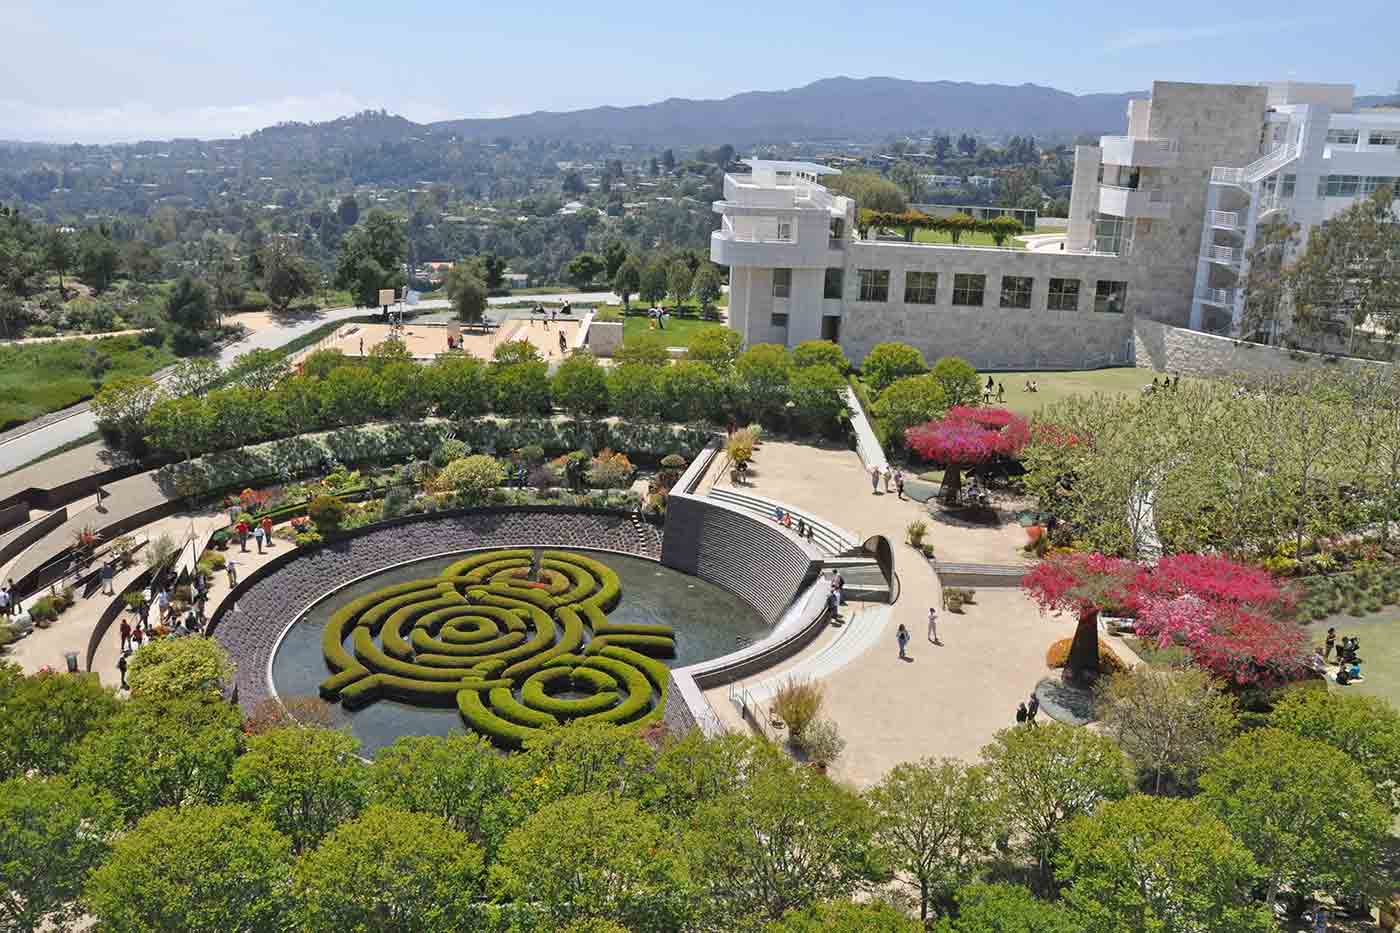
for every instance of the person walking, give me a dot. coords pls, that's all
(107, 578)
(933, 626)
(267, 531)
(4, 600)
(1032, 708)
(162, 604)
(232, 575)
(258, 537)
(902, 636)
(15, 607)
(121, 669)
(126, 635)
(899, 484)
(1021, 714)
(563, 344)
(889, 477)
(137, 637)
(1329, 644)
(1001, 393)
(242, 531)
(875, 480)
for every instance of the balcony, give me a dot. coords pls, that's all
(1227, 256)
(1220, 297)
(1143, 152)
(1150, 203)
(1226, 220)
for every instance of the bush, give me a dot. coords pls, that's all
(1057, 656)
(471, 477)
(822, 742)
(327, 512)
(888, 362)
(449, 450)
(914, 534)
(960, 382)
(819, 352)
(308, 539)
(797, 703)
(740, 446)
(609, 470)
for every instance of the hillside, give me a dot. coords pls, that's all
(833, 107)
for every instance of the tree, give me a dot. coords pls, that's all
(521, 388)
(202, 869)
(887, 362)
(44, 716)
(678, 279)
(718, 346)
(910, 401)
(347, 211)
(194, 376)
(458, 778)
(705, 287)
(1266, 284)
(1085, 584)
(98, 259)
(818, 396)
(180, 425)
(653, 284)
(614, 255)
(584, 758)
(411, 872)
(467, 292)
(845, 917)
(1366, 729)
(967, 438)
(870, 191)
(1000, 229)
(461, 385)
(168, 668)
(1048, 775)
(1169, 722)
(593, 856)
(258, 369)
(59, 253)
(1307, 811)
(162, 753)
(959, 379)
(580, 386)
(626, 281)
(785, 839)
(494, 271)
(371, 257)
(1006, 908)
(935, 822)
(188, 305)
(765, 370)
(285, 275)
(819, 352)
(227, 284)
(649, 349)
(583, 269)
(632, 390)
(1148, 863)
(305, 780)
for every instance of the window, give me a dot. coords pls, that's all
(874, 284)
(969, 289)
(778, 320)
(1373, 183)
(920, 288)
(1338, 186)
(785, 230)
(1343, 137)
(1110, 234)
(838, 228)
(1383, 138)
(1290, 182)
(835, 279)
(1064, 295)
(782, 283)
(1109, 296)
(1016, 291)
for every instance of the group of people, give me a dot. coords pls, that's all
(803, 527)
(167, 620)
(890, 476)
(902, 636)
(1168, 382)
(1348, 660)
(994, 388)
(9, 599)
(1032, 385)
(260, 532)
(656, 318)
(1026, 712)
(835, 595)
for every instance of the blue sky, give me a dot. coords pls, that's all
(102, 70)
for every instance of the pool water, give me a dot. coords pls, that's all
(709, 621)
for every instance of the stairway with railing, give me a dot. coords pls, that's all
(826, 537)
(1259, 169)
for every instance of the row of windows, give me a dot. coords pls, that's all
(1349, 186)
(1373, 137)
(969, 290)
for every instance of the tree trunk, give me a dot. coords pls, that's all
(952, 484)
(1083, 662)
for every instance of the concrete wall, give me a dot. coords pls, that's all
(12, 516)
(604, 337)
(1194, 353)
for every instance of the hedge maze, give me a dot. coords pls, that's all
(514, 655)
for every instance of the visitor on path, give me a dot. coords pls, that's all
(267, 531)
(899, 484)
(1329, 644)
(15, 606)
(126, 635)
(258, 537)
(1032, 708)
(991, 384)
(101, 494)
(563, 344)
(889, 477)
(232, 575)
(933, 626)
(1021, 714)
(121, 669)
(902, 636)
(163, 603)
(362, 346)
(4, 600)
(107, 578)
(1001, 393)
(875, 480)
(137, 637)
(242, 529)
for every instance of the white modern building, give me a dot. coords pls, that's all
(1161, 220)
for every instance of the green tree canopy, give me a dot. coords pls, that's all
(718, 346)
(678, 280)
(647, 348)
(179, 667)
(706, 286)
(200, 869)
(583, 269)
(461, 385)
(1150, 863)
(371, 257)
(43, 717)
(522, 388)
(390, 870)
(690, 391)
(1366, 729)
(188, 305)
(305, 780)
(818, 352)
(845, 917)
(765, 370)
(632, 390)
(627, 280)
(908, 402)
(887, 362)
(1006, 908)
(580, 386)
(961, 384)
(818, 396)
(653, 284)
(468, 293)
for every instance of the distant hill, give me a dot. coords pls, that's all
(1378, 100)
(833, 107)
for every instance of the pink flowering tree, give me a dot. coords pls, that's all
(1085, 585)
(965, 438)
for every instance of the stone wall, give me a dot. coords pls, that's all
(1196, 353)
(604, 337)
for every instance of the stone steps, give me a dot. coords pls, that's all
(863, 628)
(827, 538)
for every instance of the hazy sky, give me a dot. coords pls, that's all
(138, 69)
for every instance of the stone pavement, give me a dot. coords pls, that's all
(948, 700)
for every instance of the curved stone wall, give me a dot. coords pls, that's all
(253, 617)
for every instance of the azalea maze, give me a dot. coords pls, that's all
(514, 654)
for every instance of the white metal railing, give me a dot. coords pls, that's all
(1271, 203)
(1259, 168)
(1229, 219)
(1152, 195)
(1225, 297)
(1224, 254)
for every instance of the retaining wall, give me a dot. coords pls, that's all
(16, 540)
(1196, 353)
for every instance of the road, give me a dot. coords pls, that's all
(28, 447)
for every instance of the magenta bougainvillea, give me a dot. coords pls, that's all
(968, 437)
(1073, 581)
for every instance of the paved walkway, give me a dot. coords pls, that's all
(948, 700)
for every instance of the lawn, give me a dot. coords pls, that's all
(39, 378)
(1054, 387)
(678, 330)
(968, 239)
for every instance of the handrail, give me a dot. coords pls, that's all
(1230, 219)
(1223, 254)
(1218, 296)
(1259, 168)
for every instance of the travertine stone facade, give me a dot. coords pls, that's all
(1194, 353)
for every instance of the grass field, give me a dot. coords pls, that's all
(1056, 386)
(678, 330)
(39, 378)
(968, 239)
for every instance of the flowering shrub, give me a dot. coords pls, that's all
(969, 436)
(609, 470)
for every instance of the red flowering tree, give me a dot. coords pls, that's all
(1084, 584)
(965, 438)
(1236, 620)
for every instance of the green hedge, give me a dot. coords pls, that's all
(533, 694)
